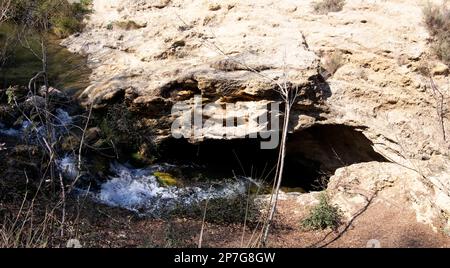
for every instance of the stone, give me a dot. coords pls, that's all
(53, 92)
(92, 134)
(161, 3)
(214, 6)
(35, 102)
(440, 69)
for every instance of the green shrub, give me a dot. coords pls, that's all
(59, 16)
(325, 6)
(83, 7)
(322, 216)
(65, 26)
(437, 21)
(118, 125)
(11, 96)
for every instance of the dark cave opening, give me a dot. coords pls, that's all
(312, 156)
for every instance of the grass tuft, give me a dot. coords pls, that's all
(326, 6)
(437, 22)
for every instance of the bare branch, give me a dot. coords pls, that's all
(440, 106)
(5, 8)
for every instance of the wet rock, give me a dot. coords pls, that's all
(70, 143)
(92, 135)
(166, 179)
(53, 93)
(37, 102)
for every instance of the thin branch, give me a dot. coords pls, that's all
(440, 108)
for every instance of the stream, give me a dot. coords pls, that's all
(138, 189)
(66, 70)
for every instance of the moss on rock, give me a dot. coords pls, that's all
(166, 179)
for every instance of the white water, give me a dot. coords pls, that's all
(139, 190)
(62, 120)
(68, 166)
(13, 132)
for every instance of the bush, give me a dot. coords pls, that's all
(59, 16)
(82, 7)
(323, 216)
(325, 6)
(437, 21)
(118, 125)
(65, 26)
(442, 48)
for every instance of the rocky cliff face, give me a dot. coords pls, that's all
(155, 53)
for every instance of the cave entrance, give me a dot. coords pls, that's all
(312, 156)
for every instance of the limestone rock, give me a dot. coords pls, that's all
(214, 6)
(175, 47)
(355, 188)
(440, 69)
(238, 54)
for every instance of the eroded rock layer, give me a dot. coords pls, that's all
(156, 53)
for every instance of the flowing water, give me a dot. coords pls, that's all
(141, 191)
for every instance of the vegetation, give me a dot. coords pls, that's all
(437, 21)
(241, 208)
(323, 216)
(33, 192)
(325, 6)
(118, 125)
(5, 7)
(59, 16)
(26, 30)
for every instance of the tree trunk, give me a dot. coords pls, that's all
(279, 172)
